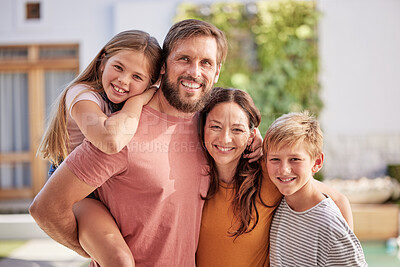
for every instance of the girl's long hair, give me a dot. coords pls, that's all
(54, 144)
(248, 177)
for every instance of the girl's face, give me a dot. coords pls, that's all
(124, 75)
(227, 134)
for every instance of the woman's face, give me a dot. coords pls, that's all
(227, 134)
(124, 75)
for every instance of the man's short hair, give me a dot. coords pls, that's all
(193, 28)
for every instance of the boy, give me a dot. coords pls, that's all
(308, 228)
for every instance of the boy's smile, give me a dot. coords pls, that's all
(291, 168)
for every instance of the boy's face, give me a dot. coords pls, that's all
(291, 169)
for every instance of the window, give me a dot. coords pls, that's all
(32, 10)
(31, 78)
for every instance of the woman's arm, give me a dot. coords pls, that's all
(340, 200)
(110, 134)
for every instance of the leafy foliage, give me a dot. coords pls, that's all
(273, 52)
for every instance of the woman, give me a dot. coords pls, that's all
(241, 199)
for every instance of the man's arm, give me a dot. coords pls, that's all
(340, 200)
(52, 207)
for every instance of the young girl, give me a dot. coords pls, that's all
(123, 71)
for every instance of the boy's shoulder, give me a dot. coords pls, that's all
(333, 221)
(325, 216)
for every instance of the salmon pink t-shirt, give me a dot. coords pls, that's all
(152, 187)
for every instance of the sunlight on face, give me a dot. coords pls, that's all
(227, 134)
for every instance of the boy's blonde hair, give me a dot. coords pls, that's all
(292, 129)
(54, 144)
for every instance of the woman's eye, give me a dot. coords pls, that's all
(215, 127)
(238, 130)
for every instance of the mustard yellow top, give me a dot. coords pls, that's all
(217, 248)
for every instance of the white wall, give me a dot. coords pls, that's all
(360, 77)
(360, 70)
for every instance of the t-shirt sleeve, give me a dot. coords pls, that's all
(346, 251)
(93, 166)
(82, 92)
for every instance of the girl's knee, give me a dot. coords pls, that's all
(121, 258)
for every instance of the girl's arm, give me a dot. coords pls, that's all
(110, 134)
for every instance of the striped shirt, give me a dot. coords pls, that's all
(319, 236)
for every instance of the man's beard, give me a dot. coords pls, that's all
(171, 93)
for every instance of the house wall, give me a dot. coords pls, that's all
(360, 77)
(359, 42)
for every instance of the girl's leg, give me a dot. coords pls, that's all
(100, 236)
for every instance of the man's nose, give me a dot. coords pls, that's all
(194, 69)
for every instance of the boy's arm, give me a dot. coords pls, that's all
(110, 134)
(52, 207)
(340, 200)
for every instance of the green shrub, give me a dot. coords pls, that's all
(273, 52)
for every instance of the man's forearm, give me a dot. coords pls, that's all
(59, 224)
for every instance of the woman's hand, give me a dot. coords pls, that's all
(255, 148)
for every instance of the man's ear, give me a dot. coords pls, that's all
(319, 161)
(162, 71)
(217, 74)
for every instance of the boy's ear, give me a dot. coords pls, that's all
(319, 161)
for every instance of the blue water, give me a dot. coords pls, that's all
(381, 254)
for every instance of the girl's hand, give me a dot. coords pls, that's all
(145, 97)
(255, 148)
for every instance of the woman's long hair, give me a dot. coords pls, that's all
(248, 176)
(54, 144)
